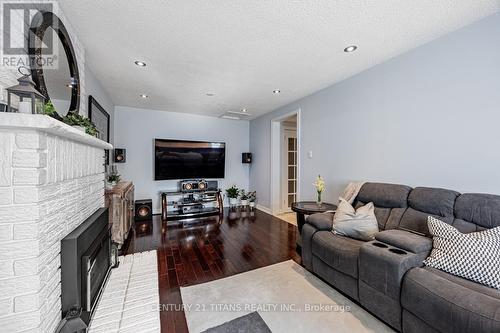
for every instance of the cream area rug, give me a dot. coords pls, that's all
(129, 302)
(290, 217)
(285, 295)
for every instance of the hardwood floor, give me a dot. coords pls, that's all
(210, 250)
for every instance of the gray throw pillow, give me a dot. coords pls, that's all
(358, 223)
(474, 256)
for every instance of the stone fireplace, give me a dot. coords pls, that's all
(51, 181)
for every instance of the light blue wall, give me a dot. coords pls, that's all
(136, 130)
(430, 117)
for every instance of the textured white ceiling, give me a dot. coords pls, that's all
(242, 50)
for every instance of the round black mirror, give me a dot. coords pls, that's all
(53, 63)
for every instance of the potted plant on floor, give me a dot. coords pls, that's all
(243, 198)
(232, 193)
(252, 197)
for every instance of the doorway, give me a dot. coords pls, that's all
(285, 165)
(288, 176)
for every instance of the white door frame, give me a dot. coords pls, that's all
(275, 186)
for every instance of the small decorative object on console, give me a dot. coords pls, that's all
(320, 186)
(112, 180)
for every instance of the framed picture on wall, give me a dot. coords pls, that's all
(100, 118)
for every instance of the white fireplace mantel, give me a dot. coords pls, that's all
(51, 180)
(39, 122)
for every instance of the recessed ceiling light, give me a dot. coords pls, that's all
(276, 91)
(241, 113)
(244, 110)
(140, 63)
(144, 96)
(351, 48)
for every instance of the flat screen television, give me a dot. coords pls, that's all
(176, 159)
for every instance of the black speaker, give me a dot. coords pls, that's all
(120, 155)
(193, 185)
(143, 210)
(246, 158)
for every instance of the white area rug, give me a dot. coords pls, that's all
(130, 299)
(288, 298)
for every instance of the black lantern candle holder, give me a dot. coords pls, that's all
(26, 92)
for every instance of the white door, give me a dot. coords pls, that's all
(289, 169)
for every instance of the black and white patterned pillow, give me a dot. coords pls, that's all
(474, 256)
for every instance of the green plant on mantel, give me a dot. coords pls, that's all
(232, 192)
(74, 119)
(50, 110)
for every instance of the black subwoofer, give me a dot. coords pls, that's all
(143, 210)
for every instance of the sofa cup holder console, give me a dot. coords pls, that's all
(398, 251)
(381, 270)
(381, 245)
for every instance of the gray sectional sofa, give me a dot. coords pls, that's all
(386, 275)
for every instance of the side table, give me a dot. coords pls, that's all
(303, 208)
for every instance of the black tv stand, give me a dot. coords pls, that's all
(191, 205)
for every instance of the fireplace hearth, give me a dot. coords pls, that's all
(85, 264)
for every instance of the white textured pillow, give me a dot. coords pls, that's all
(360, 224)
(474, 256)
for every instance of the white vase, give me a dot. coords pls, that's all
(110, 185)
(251, 204)
(244, 202)
(233, 201)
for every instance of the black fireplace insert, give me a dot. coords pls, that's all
(85, 263)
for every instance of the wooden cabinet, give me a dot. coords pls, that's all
(120, 201)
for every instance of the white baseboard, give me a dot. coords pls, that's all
(264, 209)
